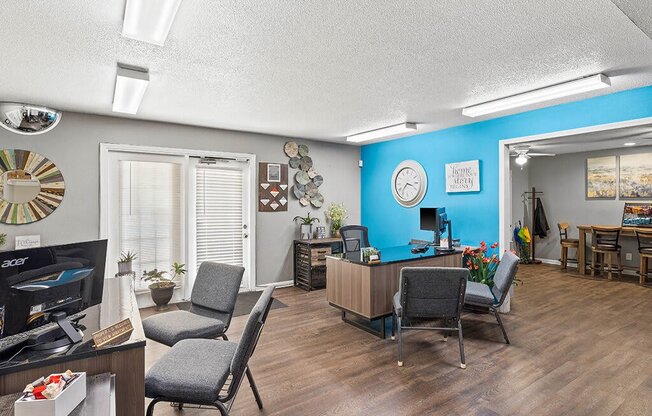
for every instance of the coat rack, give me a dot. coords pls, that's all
(532, 196)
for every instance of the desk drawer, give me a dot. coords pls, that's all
(318, 255)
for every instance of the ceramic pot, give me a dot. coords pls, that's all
(161, 295)
(124, 267)
(306, 231)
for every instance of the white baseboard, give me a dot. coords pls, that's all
(574, 266)
(286, 283)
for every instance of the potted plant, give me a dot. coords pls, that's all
(306, 225)
(3, 239)
(336, 214)
(162, 287)
(125, 262)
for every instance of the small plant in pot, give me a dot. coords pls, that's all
(3, 239)
(125, 262)
(162, 287)
(336, 214)
(306, 225)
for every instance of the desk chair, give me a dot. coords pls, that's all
(430, 293)
(207, 371)
(481, 297)
(604, 244)
(354, 237)
(211, 306)
(566, 243)
(645, 251)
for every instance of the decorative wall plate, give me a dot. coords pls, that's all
(318, 180)
(31, 187)
(317, 201)
(302, 177)
(294, 162)
(303, 150)
(305, 163)
(291, 149)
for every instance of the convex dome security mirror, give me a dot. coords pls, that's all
(28, 119)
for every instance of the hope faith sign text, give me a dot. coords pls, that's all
(463, 176)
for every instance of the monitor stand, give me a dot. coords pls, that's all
(57, 338)
(437, 242)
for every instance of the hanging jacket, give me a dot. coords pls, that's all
(541, 227)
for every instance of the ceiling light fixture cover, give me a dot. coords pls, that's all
(521, 160)
(130, 86)
(383, 132)
(149, 20)
(628, 144)
(28, 119)
(591, 83)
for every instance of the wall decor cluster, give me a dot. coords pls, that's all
(307, 180)
(272, 187)
(463, 176)
(31, 186)
(629, 176)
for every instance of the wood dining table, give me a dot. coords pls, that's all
(586, 229)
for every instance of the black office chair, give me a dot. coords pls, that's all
(354, 237)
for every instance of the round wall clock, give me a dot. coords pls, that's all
(409, 183)
(31, 187)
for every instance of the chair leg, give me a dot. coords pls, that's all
(610, 267)
(564, 257)
(150, 408)
(642, 270)
(254, 389)
(400, 341)
(221, 408)
(461, 339)
(593, 261)
(502, 327)
(224, 337)
(393, 337)
(620, 265)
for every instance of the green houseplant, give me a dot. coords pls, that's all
(125, 262)
(162, 288)
(336, 214)
(306, 225)
(3, 239)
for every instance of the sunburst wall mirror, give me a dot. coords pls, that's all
(31, 187)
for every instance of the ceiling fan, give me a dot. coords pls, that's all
(522, 153)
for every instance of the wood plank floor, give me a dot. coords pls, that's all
(580, 346)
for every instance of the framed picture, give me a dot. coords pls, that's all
(601, 177)
(636, 176)
(274, 172)
(637, 215)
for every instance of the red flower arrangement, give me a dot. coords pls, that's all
(481, 263)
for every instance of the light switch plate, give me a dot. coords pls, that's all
(628, 256)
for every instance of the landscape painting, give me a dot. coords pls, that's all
(636, 176)
(601, 177)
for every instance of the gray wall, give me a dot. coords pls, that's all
(74, 147)
(562, 179)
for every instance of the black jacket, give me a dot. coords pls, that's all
(541, 227)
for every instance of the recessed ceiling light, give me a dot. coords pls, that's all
(149, 20)
(594, 82)
(383, 132)
(630, 144)
(130, 86)
(521, 160)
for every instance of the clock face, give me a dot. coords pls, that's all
(409, 183)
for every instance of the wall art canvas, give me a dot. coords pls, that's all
(272, 187)
(601, 177)
(463, 176)
(636, 176)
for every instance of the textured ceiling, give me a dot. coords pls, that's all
(320, 70)
(602, 140)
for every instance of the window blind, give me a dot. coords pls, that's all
(219, 215)
(150, 214)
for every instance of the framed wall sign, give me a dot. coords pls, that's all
(463, 176)
(272, 187)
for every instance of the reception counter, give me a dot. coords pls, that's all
(366, 290)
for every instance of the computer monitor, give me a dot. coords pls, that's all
(435, 219)
(39, 286)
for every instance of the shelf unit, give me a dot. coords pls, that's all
(310, 261)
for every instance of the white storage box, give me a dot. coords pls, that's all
(62, 405)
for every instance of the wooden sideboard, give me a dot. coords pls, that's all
(310, 261)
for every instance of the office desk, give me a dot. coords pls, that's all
(586, 229)
(366, 290)
(126, 360)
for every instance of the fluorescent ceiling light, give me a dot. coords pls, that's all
(630, 144)
(130, 86)
(521, 160)
(384, 132)
(149, 20)
(594, 82)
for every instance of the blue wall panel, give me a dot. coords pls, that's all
(474, 215)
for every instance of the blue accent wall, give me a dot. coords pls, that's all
(474, 215)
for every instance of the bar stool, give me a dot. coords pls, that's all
(645, 251)
(566, 243)
(604, 244)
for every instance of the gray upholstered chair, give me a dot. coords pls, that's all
(211, 306)
(427, 293)
(195, 371)
(481, 296)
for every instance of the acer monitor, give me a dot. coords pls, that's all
(45, 285)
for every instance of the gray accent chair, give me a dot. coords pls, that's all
(211, 307)
(481, 296)
(428, 293)
(206, 371)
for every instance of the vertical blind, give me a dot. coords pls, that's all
(151, 214)
(219, 215)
